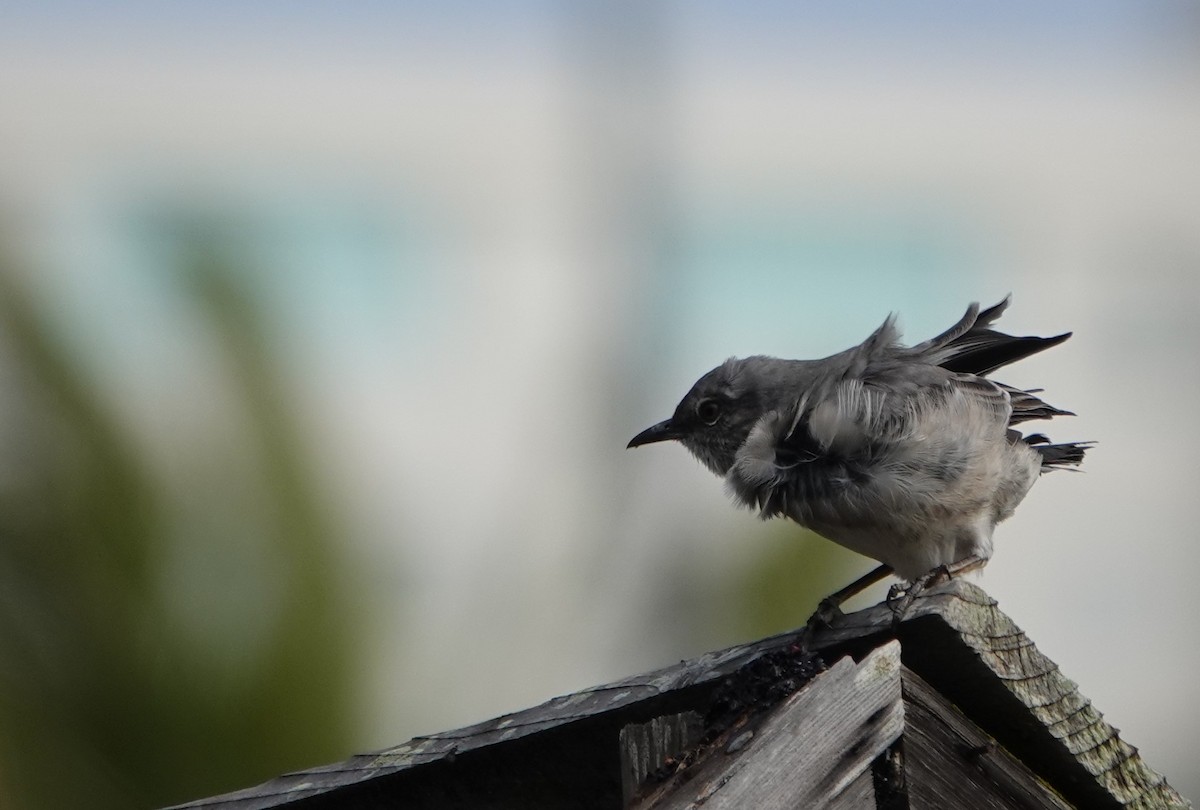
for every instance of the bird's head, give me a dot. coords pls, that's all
(717, 415)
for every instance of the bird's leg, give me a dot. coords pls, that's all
(829, 608)
(900, 598)
(963, 566)
(831, 605)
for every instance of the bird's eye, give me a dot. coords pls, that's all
(709, 411)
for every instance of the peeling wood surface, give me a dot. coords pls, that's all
(815, 750)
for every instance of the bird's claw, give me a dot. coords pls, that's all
(821, 619)
(900, 598)
(827, 611)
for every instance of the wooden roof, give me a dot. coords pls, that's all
(954, 705)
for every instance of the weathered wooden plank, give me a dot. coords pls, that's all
(646, 747)
(858, 795)
(617, 698)
(953, 637)
(1054, 699)
(956, 638)
(950, 763)
(814, 750)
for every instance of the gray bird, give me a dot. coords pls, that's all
(905, 455)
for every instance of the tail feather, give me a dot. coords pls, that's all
(1026, 406)
(972, 346)
(1058, 456)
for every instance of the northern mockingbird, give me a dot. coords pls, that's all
(906, 455)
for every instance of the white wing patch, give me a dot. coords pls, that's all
(850, 416)
(843, 419)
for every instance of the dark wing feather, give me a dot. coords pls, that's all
(981, 350)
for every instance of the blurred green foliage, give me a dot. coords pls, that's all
(783, 584)
(172, 634)
(114, 690)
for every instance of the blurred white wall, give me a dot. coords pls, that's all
(497, 242)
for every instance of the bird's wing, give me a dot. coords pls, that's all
(972, 346)
(880, 386)
(848, 428)
(880, 397)
(894, 405)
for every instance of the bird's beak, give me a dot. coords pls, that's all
(662, 432)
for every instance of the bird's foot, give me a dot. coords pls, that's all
(829, 609)
(821, 619)
(900, 598)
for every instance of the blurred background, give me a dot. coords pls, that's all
(323, 328)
